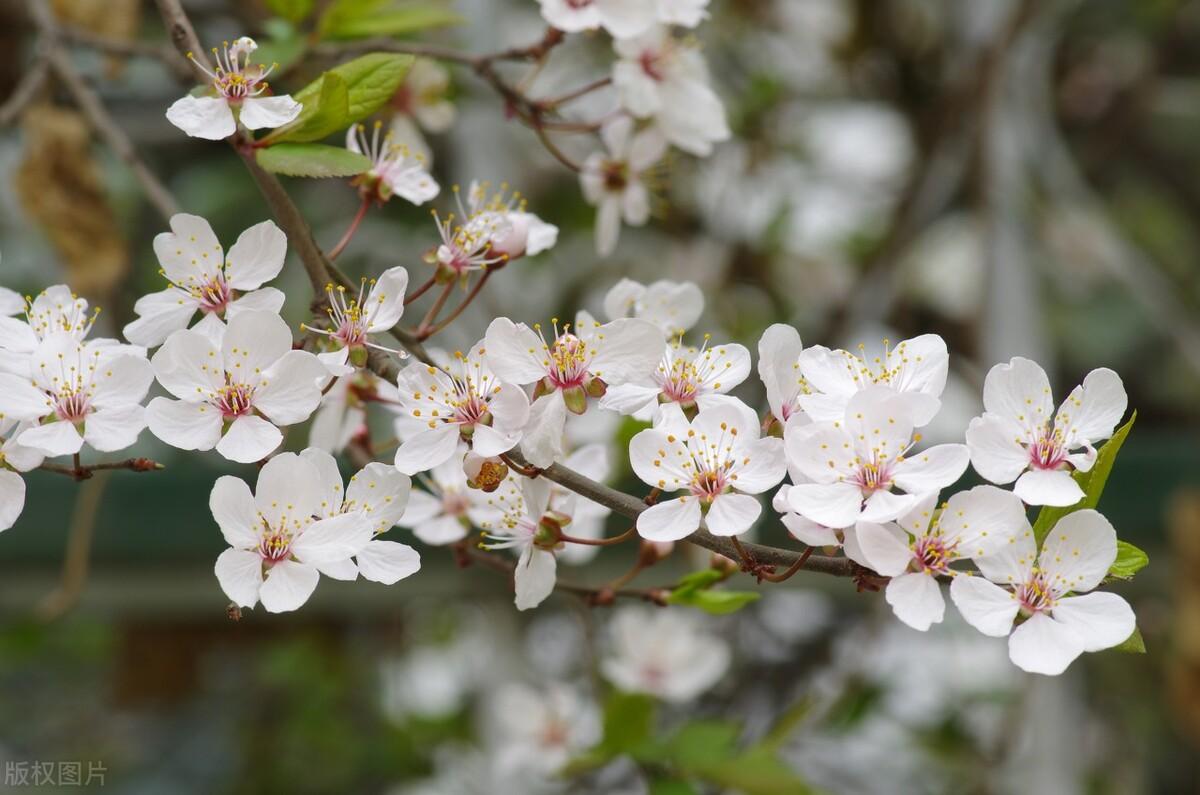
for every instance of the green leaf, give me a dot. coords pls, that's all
(312, 160)
(715, 602)
(355, 19)
(663, 786)
(1134, 644)
(283, 44)
(291, 10)
(628, 722)
(1092, 482)
(703, 742)
(1130, 560)
(697, 580)
(370, 82)
(755, 772)
(320, 117)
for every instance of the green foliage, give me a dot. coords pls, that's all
(1134, 644)
(291, 10)
(1092, 482)
(1130, 560)
(663, 786)
(283, 44)
(695, 590)
(312, 160)
(356, 19)
(370, 81)
(321, 117)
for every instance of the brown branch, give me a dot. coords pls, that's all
(79, 551)
(26, 91)
(129, 48)
(79, 472)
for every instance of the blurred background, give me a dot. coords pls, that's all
(1020, 177)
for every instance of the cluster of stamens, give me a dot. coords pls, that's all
(932, 554)
(682, 374)
(712, 462)
(234, 399)
(878, 369)
(72, 318)
(233, 75)
(72, 387)
(466, 401)
(1047, 450)
(1035, 594)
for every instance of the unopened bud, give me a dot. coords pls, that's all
(485, 474)
(723, 564)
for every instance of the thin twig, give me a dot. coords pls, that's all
(129, 48)
(82, 472)
(458, 310)
(78, 552)
(358, 217)
(26, 91)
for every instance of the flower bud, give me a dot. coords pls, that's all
(485, 474)
(550, 527)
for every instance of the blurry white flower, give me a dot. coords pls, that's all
(617, 17)
(240, 87)
(615, 182)
(444, 513)
(530, 529)
(1053, 627)
(202, 278)
(1017, 439)
(779, 351)
(395, 170)
(665, 653)
(233, 393)
(672, 306)
(14, 458)
(685, 13)
(538, 730)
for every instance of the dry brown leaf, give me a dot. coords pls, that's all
(118, 19)
(60, 187)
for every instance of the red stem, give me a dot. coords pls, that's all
(459, 309)
(598, 542)
(420, 291)
(362, 212)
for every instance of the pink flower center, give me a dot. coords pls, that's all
(235, 400)
(71, 405)
(578, 4)
(1047, 451)
(213, 295)
(652, 64)
(275, 548)
(569, 360)
(455, 504)
(873, 476)
(932, 554)
(1035, 595)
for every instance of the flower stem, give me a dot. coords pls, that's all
(420, 291)
(459, 309)
(598, 542)
(425, 328)
(358, 216)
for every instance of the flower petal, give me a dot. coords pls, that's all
(1101, 620)
(831, 504)
(543, 438)
(886, 551)
(1078, 552)
(1093, 409)
(534, 577)
(514, 352)
(203, 117)
(12, 498)
(188, 426)
(779, 351)
(1048, 487)
(249, 439)
(660, 459)
(424, 450)
(109, 430)
(932, 469)
(388, 562)
(1019, 392)
(291, 387)
(233, 508)
(916, 599)
(288, 586)
(985, 605)
(56, 438)
(670, 520)
(996, 449)
(732, 514)
(381, 492)
(330, 540)
(188, 366)
(21, 400)
(627, 349)
(239, 572)
(1044, 646)
(288, 489)
(160, 315)
(257, 256)
(253, 342)
(386, 301)
(268, 112)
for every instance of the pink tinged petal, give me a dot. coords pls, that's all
(1101, 620)
(732, 514)
(288, 487)
(831, 504)
(1078, 552)
(1048, 487)
(291, 388)
(985, 605)
(288, 586)
(1044, 646)
(425, 450)
(543, 437)
(120, 381)
(996, 449)
(627, 349)
(779, 351)
(233, 508)
(388, 562)
(57, 438)
(109, 430)
(249, 439)
(885, 506)
(1093, 409)
(253, 342)
(488, 441)
(608, 225)
(16, 335)
(822, 452)
(1019, 392)
(534, 577)
(188, 426)
(333, 539)
(12, 498)
(386, 300)
(670, 520)
(658, 459)
(257, 257)
(765, 467)
(161, 314)
(268, 112)
(514, 352)
(239, 572)
(202, 117)
(931, 469)
(625, 18)
(330, 489)
(382, 492)
(188, 366)
(444, 530)
(809, 532)
(21, 400)
(916, 599)
(885, 551)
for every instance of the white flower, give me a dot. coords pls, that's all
(587, 517)
(537, 731)
(232, 394)
(685, 13)
(445, 512)
(342, 413)
(672, 306)
(915, 368)
(378, 494)
(277, 543)
(578, 363)
(395, 170)
(463, 401)
(511, 231)
(528, 529)
(11, 303)
(779, 351)
(614, 182)
(55, 310)
(853, 464)
(78, 392)
(423, 96)
(922, 546)
(239, 86)
(664, 78)
(618, 17)
(1054, 627)
(1017, 439)
(14, 457)
(665, 653)
(351, 320)
(719, 461)
(686, 377)
(204, 279)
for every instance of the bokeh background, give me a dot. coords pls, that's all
(1020, 177)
